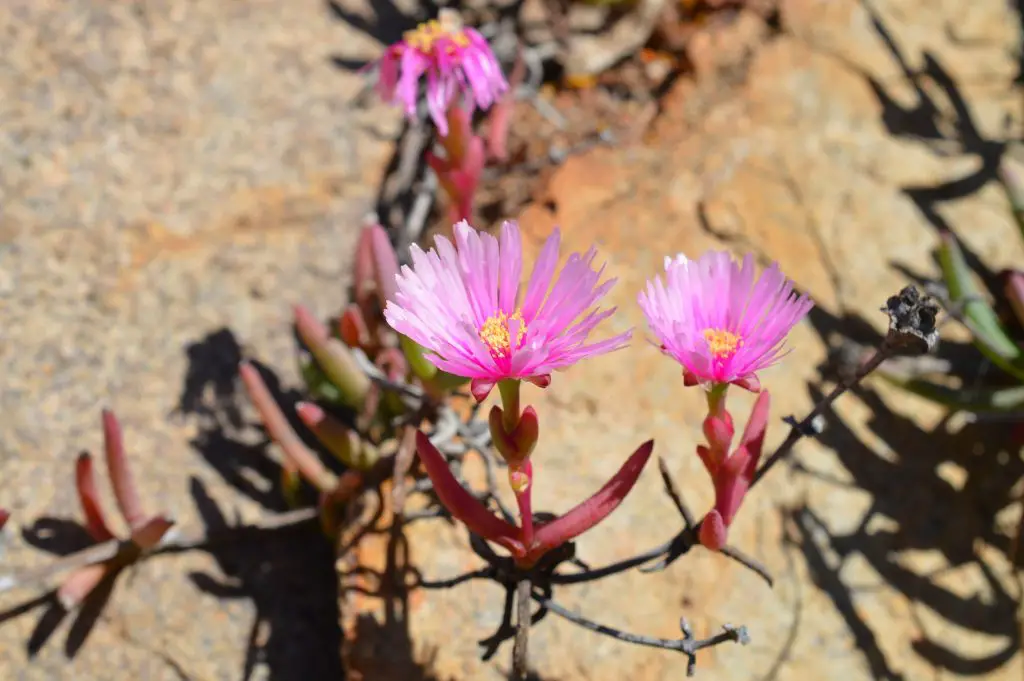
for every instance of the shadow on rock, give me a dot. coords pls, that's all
(917, 506)
(288, 576)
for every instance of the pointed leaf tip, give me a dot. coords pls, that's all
(385, 264)
(79, 584)
(713, 531)
(333, 357)
(280, 430)
(595, 509)
(85, 485)
(151, 531)
(126, 494)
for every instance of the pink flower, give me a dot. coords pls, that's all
(720, 323)
(454, 59)
(464, 306)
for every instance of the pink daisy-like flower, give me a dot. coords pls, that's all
(463, 304)
(454, 59)
(718, 321)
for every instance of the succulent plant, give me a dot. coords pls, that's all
(991, 332)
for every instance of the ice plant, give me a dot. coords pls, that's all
(464, 304)
(732, 474)
(146, 531)
(453, 58)
(718, 320)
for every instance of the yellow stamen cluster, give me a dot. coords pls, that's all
(495, 332)
(722, 343)
(425, 37)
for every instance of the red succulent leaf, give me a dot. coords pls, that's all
(80, 583)
(4, 517)
(363, 274)
(385, 264)
(85, 484)
(757, 425)
(732, 483)
(595, 509)
(501, 113)
(713, 531)
(464, 506)
(276, 423)
(1014, 289)
(125, 492)
(352, 327)
(149, 533)
(736, 473)
(719, 431)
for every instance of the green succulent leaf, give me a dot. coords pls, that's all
(989, 336)
(422, 368)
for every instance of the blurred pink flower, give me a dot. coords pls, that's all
(453, 58)
(716, 320)
(462, 303)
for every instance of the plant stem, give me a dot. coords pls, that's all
(805, 426)
(716, 398)
(519, 648)
(510, 404)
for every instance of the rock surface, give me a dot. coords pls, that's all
(175, 176)
(185, 168)
(815, 157)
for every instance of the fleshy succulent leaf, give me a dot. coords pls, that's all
(982, 320)
(149, 533)
(385, 264)
(276, 423)
(88, 496)
(80, 583)
(464, 506)
(421, 367)
(595, 509)
(340, 440)
(126, 494)
(333, 357)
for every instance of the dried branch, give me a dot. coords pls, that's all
(687, 645)
(519, 649)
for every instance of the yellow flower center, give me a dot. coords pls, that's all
(722, 343)
(426, 36)
(495, 332)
